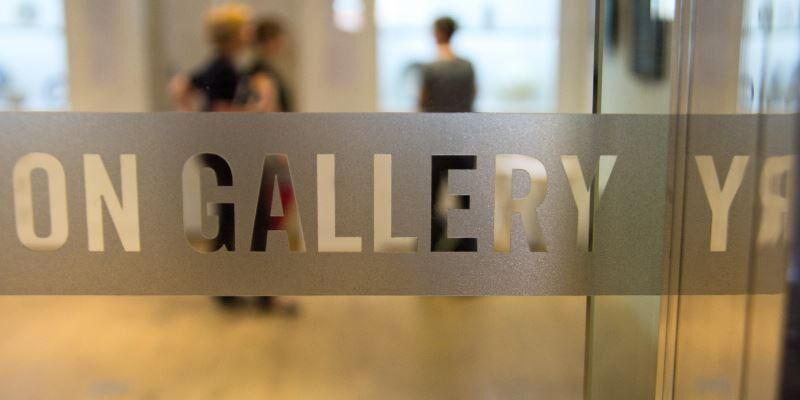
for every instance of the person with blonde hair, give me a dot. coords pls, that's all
(227, 28)
(217, 83)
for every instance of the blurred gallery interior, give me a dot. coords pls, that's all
(359, 55)
(364, 56)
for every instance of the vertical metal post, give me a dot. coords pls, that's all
(597, 84)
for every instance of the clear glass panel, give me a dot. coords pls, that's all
(365, 56)
(332, 56)
(636, 76)
(739, 335)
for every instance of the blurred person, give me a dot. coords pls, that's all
(215, 83)
(448, 84)
(264, 89)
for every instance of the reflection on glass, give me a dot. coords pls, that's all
(769, 70)
(720, 195)
(775, 189)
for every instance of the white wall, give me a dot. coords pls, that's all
(109, 57)
(623, 91)
(576, 56)
(338, 68)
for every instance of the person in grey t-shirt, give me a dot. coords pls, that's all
(448, 84)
